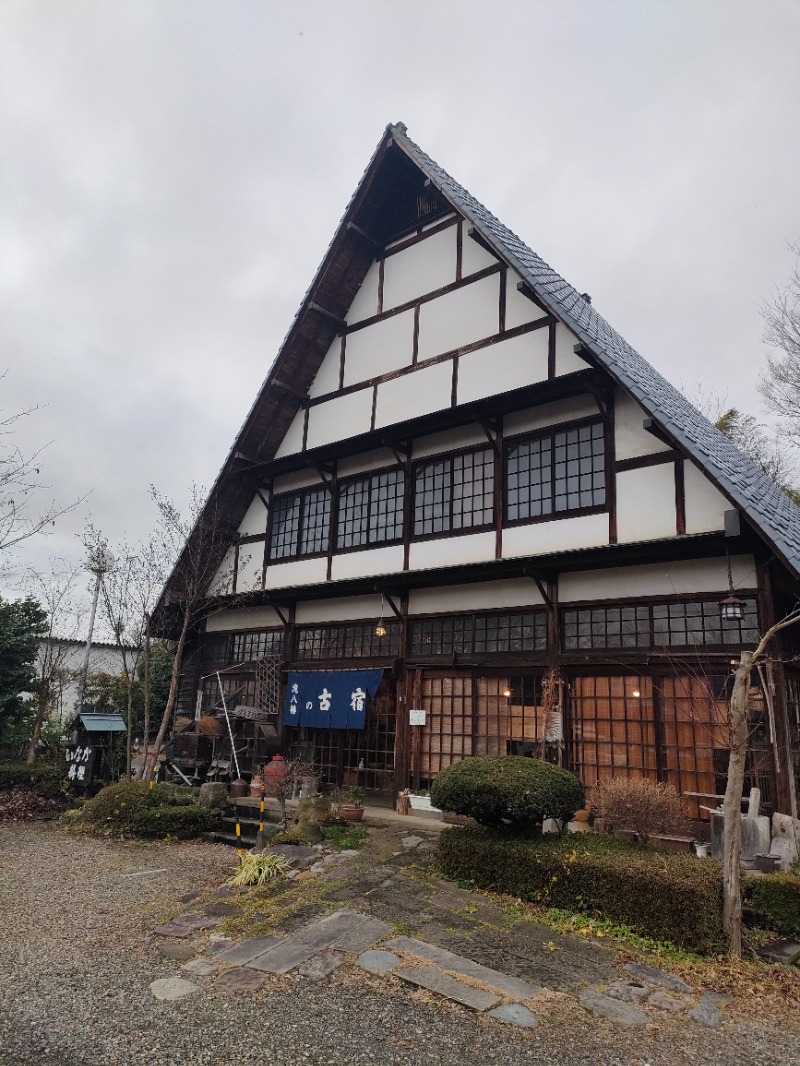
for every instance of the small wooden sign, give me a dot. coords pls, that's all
(416, 716)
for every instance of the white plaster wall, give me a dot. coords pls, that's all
(297, 479)
(300, 572)
(255, 521)
(482, 596)
(222, 582)
(646, 503)
(705, 504)
(438, 221)
(630, 440)
(562, 534)
(327, 379)
(366, 461)
(473, 256)
(342, 610)
(380, 348)
(460, 317)
(251, 565)
(365, 302)
(341, 417)
(246, 618)
(658, 579)
(458, 437)
(293, 441)
(548, 414)
(425, 266)
(415, 394)
(502, 367)
(370, 561)
(519, 308)
(567, 362)
(451, 551)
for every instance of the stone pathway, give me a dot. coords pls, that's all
(465, 950)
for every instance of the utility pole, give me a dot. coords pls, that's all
(99, 562)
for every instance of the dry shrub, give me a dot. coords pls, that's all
(640, 805)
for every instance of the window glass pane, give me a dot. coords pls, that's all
(316, 521)
(285, 527)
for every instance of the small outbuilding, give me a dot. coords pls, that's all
(91, 754)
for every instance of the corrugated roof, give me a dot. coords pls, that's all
(745, 484)
(102, 723)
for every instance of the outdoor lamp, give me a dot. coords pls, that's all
(732, 608)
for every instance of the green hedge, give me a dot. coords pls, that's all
(667, 897)
(133, 808)
(508, 792)
(46, 779)
(776, 898)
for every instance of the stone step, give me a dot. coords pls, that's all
(443, 984)
(510, 987)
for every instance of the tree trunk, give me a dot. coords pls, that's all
(129, 746)
(732, 807)
(41, 711)
(146, 726)
(173, 693)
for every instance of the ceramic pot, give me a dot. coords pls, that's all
(351, 814)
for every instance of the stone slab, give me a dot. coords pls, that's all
(284, 956)
(189, 897)
(442, 984)
(195, 922)
(363, 936)
(611, 1009)
(514, 1014)
(170, 988)
(784, 950)
(216, 947)
(238, 979)
(222, 910)
(200, 967)
(654, 976)
(177, 952)
(379, 962)
(321, 965)
(511, 987)
(628, 991)
(173, 929)
(412, 841)
(666, 1001)
(301, 856)
(706, 1013)
(224, 892)
(247, 950)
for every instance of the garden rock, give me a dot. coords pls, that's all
(654, 976)
(706, 1013)
(610, 1008)
(177, 952)
(664, 1001)
(514, 1014)
(213, 795)
(378, 962)
(321, 965)
(299, 855)
(200, 967)
(628, 991)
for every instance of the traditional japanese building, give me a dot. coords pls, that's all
(460, 482)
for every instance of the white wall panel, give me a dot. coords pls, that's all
(251, 566)
(657, 579)
(465, 315)
(549, 414)
(562, 534)
(646, 503)
(451, 551)
(567, 362)
(630, 439)
(519, 308)
(366, 461)
(365, 303)
(255, 521)
(327, 379)
(458, 437)
(339, 418)
(482, 596)
(246, 618)
(301, 572)
(341, 610)
(425, 266)
(297, 479)
(502, 367)
(415, 394)
(370, 561)
(473, 256)
(705, 504)
(222, 582)
(380, 348)
(293, 441)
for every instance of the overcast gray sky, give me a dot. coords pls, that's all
(171, 174)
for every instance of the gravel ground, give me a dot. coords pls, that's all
(77, 956)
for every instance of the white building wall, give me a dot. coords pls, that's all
(413, 395)
(658, 579)
(504, 366)
(519, 309)
(567, 362)
(646, 503)
(451, 551)
(705, 504)
(368, 561)
(293, 441)
(482, 596)
(474, 256)
(549, 414)
(327, 377)
(341, 417)
(342, 610)
(630, 439)
(365, 304)
(222, 582)
(560, 534)
(461, 317)
(420, 269)
(300, 572)
(384, 346)
(255, 521)
(242, 618)
(251, 567)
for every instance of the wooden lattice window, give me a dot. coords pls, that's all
(454, 493)
(353, 641)
(480, 634)
(371, 510)
(555, 472)
(300, 524)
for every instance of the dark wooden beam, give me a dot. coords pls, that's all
(478, 237)
(649, 425)
(366, 237)
(325, 313)
(292, 390)
(640, 461)
(525, 290)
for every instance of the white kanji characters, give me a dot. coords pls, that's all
(357, 699)
(295, 689)
(293, 700)
(87, 751)
(68, 755)
(81, 773)
(309, 705)
(71, 772)
(324, 700)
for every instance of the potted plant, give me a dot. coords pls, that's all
(352, 809)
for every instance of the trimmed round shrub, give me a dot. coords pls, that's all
(132, 807)
(777, 901)
(508, 792)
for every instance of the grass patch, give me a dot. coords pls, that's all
(345, 837)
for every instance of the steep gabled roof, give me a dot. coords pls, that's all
(770, 511)
(397, 170)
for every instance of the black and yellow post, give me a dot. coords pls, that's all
(238, 832)
(261, 810)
